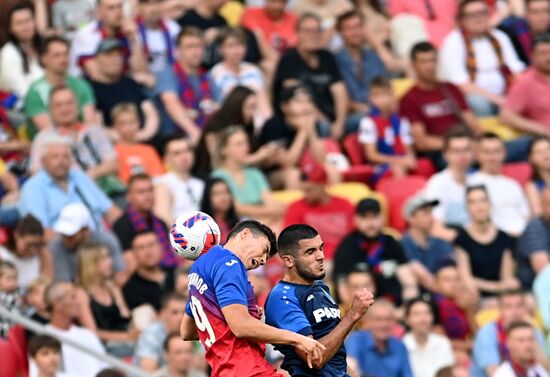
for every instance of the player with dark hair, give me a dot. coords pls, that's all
(302, 303)
(222, 311)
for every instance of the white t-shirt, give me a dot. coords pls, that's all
(510, 209)
(156, 44)
(453, 58)
(505, 370)
(452, 198)
(186, 195)
(427, 361)
(13, 77)
(28, 269)
(225, 80)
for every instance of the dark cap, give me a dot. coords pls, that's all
(368, 205)
(108, 45)
(288, 93)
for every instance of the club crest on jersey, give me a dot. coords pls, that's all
(325, 312)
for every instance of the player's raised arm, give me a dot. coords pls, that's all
(243, 325)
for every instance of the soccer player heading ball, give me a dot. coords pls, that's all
(222, 311)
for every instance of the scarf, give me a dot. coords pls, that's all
(373, 253)
(524, 37)
(167, 40)
(188, 97)
(140, 224)
(471, 64)
(520, 371)
(502, 334)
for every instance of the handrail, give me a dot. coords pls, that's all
(38, 328)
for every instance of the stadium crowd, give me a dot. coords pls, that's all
(414, 135)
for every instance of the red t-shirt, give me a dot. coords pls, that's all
(280, 34)
(529, 96)
(333, 220)
(433, 108)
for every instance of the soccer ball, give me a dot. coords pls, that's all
(193, 234)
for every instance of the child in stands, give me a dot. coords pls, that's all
(10, 295)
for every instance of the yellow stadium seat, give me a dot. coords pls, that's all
(23, 133)
(485, 316)
(232, 11)
(287, 196)
(401, 86)
(493, 124)
(352, 191)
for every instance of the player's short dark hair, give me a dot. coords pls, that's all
(173, 296)
(459, 132)
(292, 235)
(380, 82)
(110, 372)
(257, 229)
(346, 16)
(421, 48)
(38, 342)
(518, 325)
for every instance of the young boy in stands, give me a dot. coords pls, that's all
(45, 351)
(386, 136)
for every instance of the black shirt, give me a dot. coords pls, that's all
(317, 80)
(383, 255)
(212, 55)
(109, 95)
(139, 290)
(126, 232)
(485, 259)
(277, 129)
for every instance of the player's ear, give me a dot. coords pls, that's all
(288, 260)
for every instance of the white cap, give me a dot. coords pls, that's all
(73, 218)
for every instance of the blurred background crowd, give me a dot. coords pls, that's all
(413, 134)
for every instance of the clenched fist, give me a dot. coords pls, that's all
(362, 300)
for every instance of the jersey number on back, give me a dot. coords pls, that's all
(201, 320)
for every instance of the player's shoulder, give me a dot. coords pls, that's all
(285, 292)
(217, 257)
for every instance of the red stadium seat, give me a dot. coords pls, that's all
(519, 171)
(14, 354)
(397, 191)
(354, 150)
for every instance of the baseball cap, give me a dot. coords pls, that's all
(73, 218)
(417, 202)
(368, 205)
(316, 173)
(108, 45)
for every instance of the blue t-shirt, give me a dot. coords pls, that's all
(436, 250)
(307, 310)
(392, 362)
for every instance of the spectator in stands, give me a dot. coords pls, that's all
(149, 354)
(10, 295)
(107, 313)
(139, 217)
(177, 191)
(272, 23)
(479, 59)
(179, 358)
(156, 35)
(385, 136)
(54, 56)
(510, 210)
(111, 87)
(522, 346)
(61, 298)
(74, 229)
(110, 23)
(383, 254)
(372, 350)
(490, 344)
(133, 157)
(534, 244)
(232, 70)
(539, 159)
(45, 352)
(26, 250)
(428, 351)
(449, 185)
(289, 133)
(34, 298)
(70, 15)
(423, 251)
(525, 105)
(248, 185)
(330, 215)
(184, 87)
(523, 30)
(359, 278)
(484, 252)
(19, 56)
(316, 69)
(149, 282)
(433, 107)
(56, 185)
(218, 203)
(357, 63)
(456, 306)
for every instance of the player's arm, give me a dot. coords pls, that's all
(352, 373)
(188, 329)
(243, 325)
(333, 340)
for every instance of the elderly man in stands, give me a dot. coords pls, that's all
(57, 184)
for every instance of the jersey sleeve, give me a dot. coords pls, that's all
(230, 282)
(367, 131)
(284, 312)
